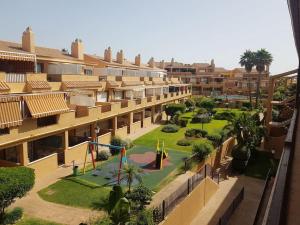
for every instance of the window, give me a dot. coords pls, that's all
(102, 96)
(40, 68)
(10, 154)
(46, 121)
(88, 71)
(4, 131)
(118, 95)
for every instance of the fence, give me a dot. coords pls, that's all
(259, 211)
(168, 204)
(230, 210)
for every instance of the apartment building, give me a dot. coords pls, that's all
(207, 79)
(52, 101)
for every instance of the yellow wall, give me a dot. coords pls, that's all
(76, 153)
(121, 132)
(105, 138)
(44, 166)
(147, 122)
(135, 127)
(185, 212)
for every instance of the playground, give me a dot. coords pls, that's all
(152, 165)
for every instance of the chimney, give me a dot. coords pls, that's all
(107, 55)
(138, 60)
(77, 49)
(172, 62)
(28, 40)
(120, 57)
(151, 62)
(162, 64)
(212, 63)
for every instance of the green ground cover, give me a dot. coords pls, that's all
(34, 221)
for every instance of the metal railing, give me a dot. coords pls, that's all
(169, 203)
(224, 219)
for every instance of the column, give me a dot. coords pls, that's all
(23, 151)
(130, 121)
(143, 117)
(114, 125)
(153, 114)
(66, 140)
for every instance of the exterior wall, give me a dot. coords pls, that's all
(121, 132)
(147, 122)
(105, 138)
(76, 153)
(186, 211)
(44, 166)
(135, 127)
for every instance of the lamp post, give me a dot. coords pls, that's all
(97, 131)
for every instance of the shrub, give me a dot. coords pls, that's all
(244, 108)
(170, 128)
(190, 104)
(203, 149)
(184, 142)
(216, 139)
(247, 105)
(200, 118)
(145, 217)
(16, 182)
(202, 111)
(140, 196)
(13, 216)
(183, 122)
(241, 153)
(103, 155)
(117, 141)
(195, 133)
(173, 108)
(207, 103)
(225, 115)
(239, 165)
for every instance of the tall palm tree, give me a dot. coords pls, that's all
(131, 173)
(263, 59)
(247, 60)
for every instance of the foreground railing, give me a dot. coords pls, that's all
(275, 210)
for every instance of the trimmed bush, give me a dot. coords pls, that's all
(247, 105)
(199, 118)
(183, 122)
(117, 141)
(195, 133)
(244, 108)
(103, 155)
(184, 142)
(170, 128)
(203, 149)
(225, 115)
(172, 109)
(207, 103)
(190, 104)
(13, 216)
(216, 139)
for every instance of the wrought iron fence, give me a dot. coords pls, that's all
(230, 210)
(169, 203)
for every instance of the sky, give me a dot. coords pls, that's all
(186, 30)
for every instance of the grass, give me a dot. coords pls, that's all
(170, 139)
(34, 221)
(69, 192)
(260, 165)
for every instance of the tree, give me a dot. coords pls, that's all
(131, 173)
(247, 60)
(203, 149)
(208, 104)
(262, 60)
(140, 196)
(15, 183)
(172, 109)
(190, 104)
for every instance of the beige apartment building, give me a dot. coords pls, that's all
(207, 79)
(52, 101)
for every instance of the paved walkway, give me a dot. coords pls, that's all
(228, 189)
(34, 206)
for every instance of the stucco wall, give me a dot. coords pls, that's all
(76, 153)
(121, 132)
(105, 138)
(147, 122)
(185, 212)
(135, 127)
(44, 166)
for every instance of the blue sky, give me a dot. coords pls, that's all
(189, 30)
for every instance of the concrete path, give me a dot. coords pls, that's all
(228, 189)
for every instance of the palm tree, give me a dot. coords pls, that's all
(247, 60)
(263, 59)
(130, 173)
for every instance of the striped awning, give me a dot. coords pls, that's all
(10, 114)
(66, 85)
(38, 86)
(17, 56)
(131, 83)
(112, 84)
(43, 105)
(4, 88)
(9, 98)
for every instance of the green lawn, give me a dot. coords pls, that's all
(170, 139)
(35, 221)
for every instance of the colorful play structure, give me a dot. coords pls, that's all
(90, 149)
(161, 154)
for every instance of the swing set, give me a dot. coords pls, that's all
(91, 148)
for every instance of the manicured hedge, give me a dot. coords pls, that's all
(225, 115)
(203, 149)
(195, 133)
(184, 142)
(170, 128)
